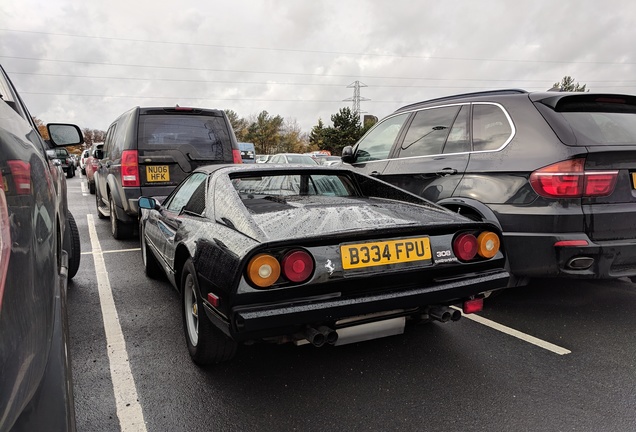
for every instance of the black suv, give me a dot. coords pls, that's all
(39, 252)
(556, 171)
(148, 151)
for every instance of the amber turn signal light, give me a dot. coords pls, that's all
(488, 244)
(263, 270)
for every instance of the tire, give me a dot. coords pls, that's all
(151, 265)
(83, 171)
(72, 245)
(206, 343)
(69, 172)
(120, 230)
(91, 188)
(97, 204)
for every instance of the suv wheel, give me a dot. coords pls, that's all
(119, 229)
(72, 245)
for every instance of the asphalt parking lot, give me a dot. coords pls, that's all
(552, 356)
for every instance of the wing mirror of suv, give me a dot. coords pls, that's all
(347, 155)
(99, 154)
(63, 134)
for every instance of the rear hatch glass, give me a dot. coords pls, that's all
(605, 120)
(173, 143)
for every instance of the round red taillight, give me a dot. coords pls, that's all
(298, 266)
(465, 246)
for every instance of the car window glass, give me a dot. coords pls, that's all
(207, 136)
(598, 128)
(186, 190)
(458, 140)
(269, 186)
(428, 131)
(377, 143)
(196, 204)
(491, 128)
(108, 142)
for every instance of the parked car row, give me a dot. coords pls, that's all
(439, 203)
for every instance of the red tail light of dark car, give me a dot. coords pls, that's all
(568, 179)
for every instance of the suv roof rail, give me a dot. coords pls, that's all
(463, 96)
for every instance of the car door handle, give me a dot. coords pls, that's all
(446, 171)
(374, 173)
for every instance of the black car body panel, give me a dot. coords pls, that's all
(509, 135)
(222, 217)
(35, 382)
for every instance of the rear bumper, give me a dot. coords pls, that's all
(255, 322)
(535, 255)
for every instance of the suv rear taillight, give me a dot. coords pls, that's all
(21, 173)
(130, 168)
(568, 179)
(5, 240)
(236, 155)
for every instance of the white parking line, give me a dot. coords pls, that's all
(516, 333)
(114, 251)
(129, 411)
(84, 191)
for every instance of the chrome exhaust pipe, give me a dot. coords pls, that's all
(331, 336)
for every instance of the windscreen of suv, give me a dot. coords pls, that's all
(600, 120)
(206, 137)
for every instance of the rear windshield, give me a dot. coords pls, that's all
(289, 185)
(207, 137)
(600, 120)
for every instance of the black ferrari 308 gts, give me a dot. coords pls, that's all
(311, 254)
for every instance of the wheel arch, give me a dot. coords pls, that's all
(468, 207)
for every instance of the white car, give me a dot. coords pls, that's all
(82, 162)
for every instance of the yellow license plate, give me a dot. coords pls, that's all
(634, 180)
(157, 173)
(355, 256)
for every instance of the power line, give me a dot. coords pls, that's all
(129, 78)
(281, 73)
(362, 54)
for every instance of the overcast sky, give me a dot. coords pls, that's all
(86, 62)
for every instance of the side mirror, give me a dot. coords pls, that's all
(63, 134)
(147, 203)
(99, 154)
(347, 155)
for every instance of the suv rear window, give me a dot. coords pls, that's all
(207, 135)
(599, 119)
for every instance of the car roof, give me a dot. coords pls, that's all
(459, 97)
(554, 96)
